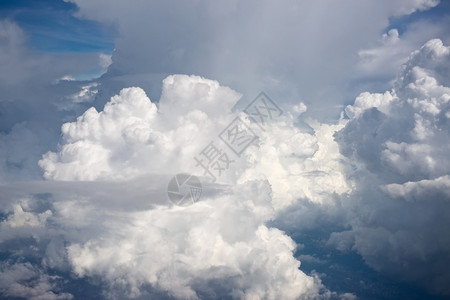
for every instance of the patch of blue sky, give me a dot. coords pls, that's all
(435, 14)
(52, 27)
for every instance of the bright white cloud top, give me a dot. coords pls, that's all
(222, 238)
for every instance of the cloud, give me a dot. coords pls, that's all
(419, 190)
(385, 59)
(139, 244)
(379, 186)
(191, 250)
(27, 93)
(183, 253)
(21, 218)
(399, 143)
(284, 48)
(368, 100)
(105, 61)
(23, 280)
(133, 136)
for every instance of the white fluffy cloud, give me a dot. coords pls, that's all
(222, 243)
(218, 247)
(132, 137)
(183, 251)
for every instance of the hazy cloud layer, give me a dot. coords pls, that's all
(295, 50)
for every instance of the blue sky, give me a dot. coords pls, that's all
(435, 14)
(52, 26)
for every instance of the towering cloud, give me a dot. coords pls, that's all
(399, 142)
(219, 246)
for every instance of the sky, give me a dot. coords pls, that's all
(224, 150)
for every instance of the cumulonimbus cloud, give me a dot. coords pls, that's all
(399, 142)
(389, 156)
(222, 241)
